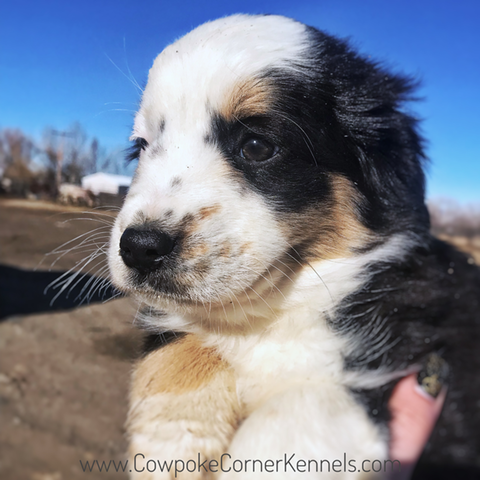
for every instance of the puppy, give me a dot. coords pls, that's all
(276, 237)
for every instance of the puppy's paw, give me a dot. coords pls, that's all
(183, 413)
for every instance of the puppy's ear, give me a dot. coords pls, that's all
(381, 140)
(388, 146)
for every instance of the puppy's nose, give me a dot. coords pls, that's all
(144, 250)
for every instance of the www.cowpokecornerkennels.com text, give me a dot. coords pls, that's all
(290, 463)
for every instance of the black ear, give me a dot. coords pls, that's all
(381, 138)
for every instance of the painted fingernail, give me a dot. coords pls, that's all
(433, 375)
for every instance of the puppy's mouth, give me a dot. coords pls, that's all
(185, 269)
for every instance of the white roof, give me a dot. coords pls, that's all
(105, 182)
(121, 180)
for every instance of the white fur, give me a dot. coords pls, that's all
(269, 324)
(315, 421)
(228, 50)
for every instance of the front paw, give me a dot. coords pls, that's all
(184, 408)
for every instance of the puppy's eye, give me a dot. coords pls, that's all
(257, 150)
(133, 152)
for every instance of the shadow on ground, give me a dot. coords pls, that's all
(25, 292)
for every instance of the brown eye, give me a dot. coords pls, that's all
(257, 150)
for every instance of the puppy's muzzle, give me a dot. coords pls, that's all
(144, 249)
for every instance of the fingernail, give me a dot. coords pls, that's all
(433, 375)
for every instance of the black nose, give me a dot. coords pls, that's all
(144, 249)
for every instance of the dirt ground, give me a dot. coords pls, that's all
(64, 375)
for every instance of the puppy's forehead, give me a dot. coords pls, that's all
(219, 66)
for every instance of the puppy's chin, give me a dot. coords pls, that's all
(169, 305)
(169, 295)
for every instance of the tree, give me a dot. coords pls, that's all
(16, 156)
(67, 155)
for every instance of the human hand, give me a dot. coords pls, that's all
(414, 413)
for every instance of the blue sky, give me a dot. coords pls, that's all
(55, 65)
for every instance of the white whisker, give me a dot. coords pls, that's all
(133, 82)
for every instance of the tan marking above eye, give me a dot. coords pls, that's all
(248, 98)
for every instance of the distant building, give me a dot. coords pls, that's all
(100, 182)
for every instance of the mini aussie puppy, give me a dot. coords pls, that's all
(276, 237)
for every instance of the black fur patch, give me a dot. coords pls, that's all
(427, 303)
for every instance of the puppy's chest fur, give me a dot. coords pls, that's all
(300, 337)
(267, 363)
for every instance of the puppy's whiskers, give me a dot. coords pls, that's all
(129, 77)
(299, 260)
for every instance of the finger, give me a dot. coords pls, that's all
(414, 413)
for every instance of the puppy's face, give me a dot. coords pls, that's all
(246, 173)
